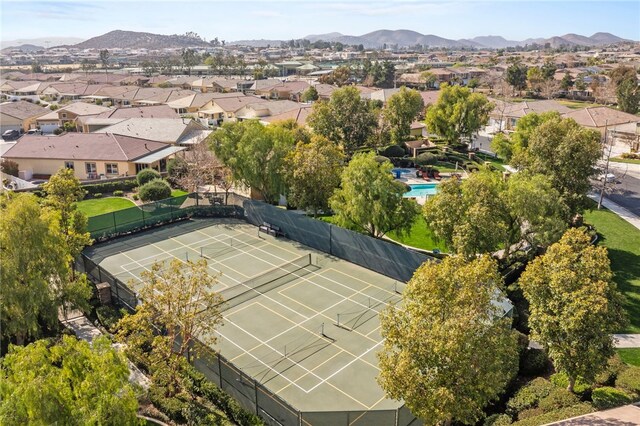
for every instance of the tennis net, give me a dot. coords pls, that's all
(269, 280)
(226, 245)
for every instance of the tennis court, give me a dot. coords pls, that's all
(300, 323)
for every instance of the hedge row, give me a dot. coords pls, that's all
(199, 385)
(109, 187)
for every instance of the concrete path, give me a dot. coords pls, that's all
(628, 415)
(617, 209)
(627, 340)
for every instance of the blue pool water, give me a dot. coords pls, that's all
(421, 190)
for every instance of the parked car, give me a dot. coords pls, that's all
(11, 135)
(34, 131)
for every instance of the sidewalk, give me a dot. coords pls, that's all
(627, 340)
(617, 209)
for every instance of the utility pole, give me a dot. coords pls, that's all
(606, 167)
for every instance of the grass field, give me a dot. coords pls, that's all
(577, 104)
(178, 192)
(97, 206)
(621, 238)
(630, 355)
(420, 237)
(624, 160)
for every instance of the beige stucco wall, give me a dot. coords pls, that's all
(51, 166)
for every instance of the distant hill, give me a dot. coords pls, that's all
(405, 38)
(24, 48)
(42, 41)
(119, 39)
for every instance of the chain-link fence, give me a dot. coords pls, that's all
(135, 218)
(378, 255)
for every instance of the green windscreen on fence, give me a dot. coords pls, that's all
(150, 214)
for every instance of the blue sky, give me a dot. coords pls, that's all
(233, 20)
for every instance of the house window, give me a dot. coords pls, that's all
(64, 115)
(111, 168)
(69, 165)
(140, 167)
(91, 170)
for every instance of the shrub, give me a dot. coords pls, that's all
(147, 175)
(393, 151)
(97, 195)
(608, 397)
(426, 158)
(98, 101)
(154, 190)
(630, 156)
(629, 379)
(108, 316)
(9, 167)
(135, 197)
(118, 193)
(172, 407)
(615, 366)
(529, 413)
(122, 185)
(561, 380)
(557, 398)
(529, 395)
(53, 107)
(58, 131)
(497, 420)
(534, 362)
(381, 159)
(561, 414)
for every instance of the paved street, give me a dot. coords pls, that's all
(627, 192)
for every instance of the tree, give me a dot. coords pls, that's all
(339, 77)
(457, 113)
(198, 168)
(70, 382)
(516, 76)
(574, 305)
(473, 84)
(562, 150)
(313, 173)
(567, 82)
(448, 351)
(310, 95)
(63, 191)
(9, 167)
(484, 212)
(401, 110)
(370, 200)
(535, 77)
(35, 274)
(36, 67)
(178, 298)
(189, 59)
(346, 119)
(255, 154)
(104, 59)
(429, 79)
(625, 80)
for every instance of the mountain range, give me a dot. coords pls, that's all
(405, 38)
(137, 40)
(42, 41)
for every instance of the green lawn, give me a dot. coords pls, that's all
(98, 206)
(621, 238)
(420, 237)
(577, 104)
(630, 356)
(624, 160)
(178, 192)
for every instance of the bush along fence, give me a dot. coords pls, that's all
(137, 218)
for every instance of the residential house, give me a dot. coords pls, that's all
(325, 90)
(505, 115)
(265, 109)
(74, 113)
(19, 115)
(284, 90)
(383, 95)
(224, 109)
(601, 117)
(89, 155)
(116, 115)
(176, 131)
(299, 115)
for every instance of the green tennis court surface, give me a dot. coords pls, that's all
(301, 323)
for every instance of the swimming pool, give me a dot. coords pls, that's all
(421, 190)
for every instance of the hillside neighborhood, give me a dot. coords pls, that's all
(388, 229)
